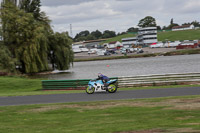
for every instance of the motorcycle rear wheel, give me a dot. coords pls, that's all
(112, 88)
(90, 90)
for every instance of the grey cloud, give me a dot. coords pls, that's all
(181, 6)
(62, 2)
(125, 12)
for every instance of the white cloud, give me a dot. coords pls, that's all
(118, 15)
(82, 12)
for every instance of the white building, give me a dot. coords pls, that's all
(183, 27)
(147, 35)
(128, 42)
(112, 45)
(77, 48)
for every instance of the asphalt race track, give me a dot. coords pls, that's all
(83, 97)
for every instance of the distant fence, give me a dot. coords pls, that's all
(131, 81)
(153, 80)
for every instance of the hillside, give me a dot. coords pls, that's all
(179, 35)
(162, 36)
(119, 38)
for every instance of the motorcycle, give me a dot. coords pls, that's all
(98, 86)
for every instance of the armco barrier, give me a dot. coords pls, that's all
(152, 80)
(66, 84)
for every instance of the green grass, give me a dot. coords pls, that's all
(118, 38)
(20, 86)
(162, 36)
(166, 114)
(179, 35)
(158, 87)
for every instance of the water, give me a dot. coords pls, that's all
(132, 67)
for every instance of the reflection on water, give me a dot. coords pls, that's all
(131, 67)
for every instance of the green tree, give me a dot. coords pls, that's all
(7, 63)
(31, 6)
(196, 23)
(108, 34)
(91, 37)
(82, 36)
(97, 34)
(147, 22)
(25, 38)
(132, 29)
(60, 51)
(27, 35)
(172, 21)
(171, 25)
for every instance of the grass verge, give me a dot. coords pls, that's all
(21, 86)
(160, 115)
(179, 35)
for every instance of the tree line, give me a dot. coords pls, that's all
(28, 42)
(86, 35)
(148, 21)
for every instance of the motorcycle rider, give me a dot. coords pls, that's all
(104, 79)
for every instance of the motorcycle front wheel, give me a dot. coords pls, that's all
(112, 88)
(90, 90)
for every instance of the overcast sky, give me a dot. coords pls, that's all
(117, 15)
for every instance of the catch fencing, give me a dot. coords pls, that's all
(156, 80)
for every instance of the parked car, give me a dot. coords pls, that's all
(92, 51)
(113, 51)
(107, 53)
(130, 50)
(101, 52)
(139, 50)
(123, 50)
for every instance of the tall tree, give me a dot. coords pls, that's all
(60, 51)
(148, 21)
(7, 63)
(82, 36)
(172, 21)
(97, 34)
(132, 29)
(31, 6)
(196, 23)
(27, 35)
(109, 34)
(25, 38)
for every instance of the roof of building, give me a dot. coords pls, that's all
(113, 42)
(183, 26)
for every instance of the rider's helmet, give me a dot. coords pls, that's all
(99, 75)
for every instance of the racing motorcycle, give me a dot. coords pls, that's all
(98, 86)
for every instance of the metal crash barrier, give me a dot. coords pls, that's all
(156, 80)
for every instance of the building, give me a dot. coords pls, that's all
(113, 44)
(147, 35)
(183, 27)
(129, 42)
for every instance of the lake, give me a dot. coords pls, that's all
(131, 67)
